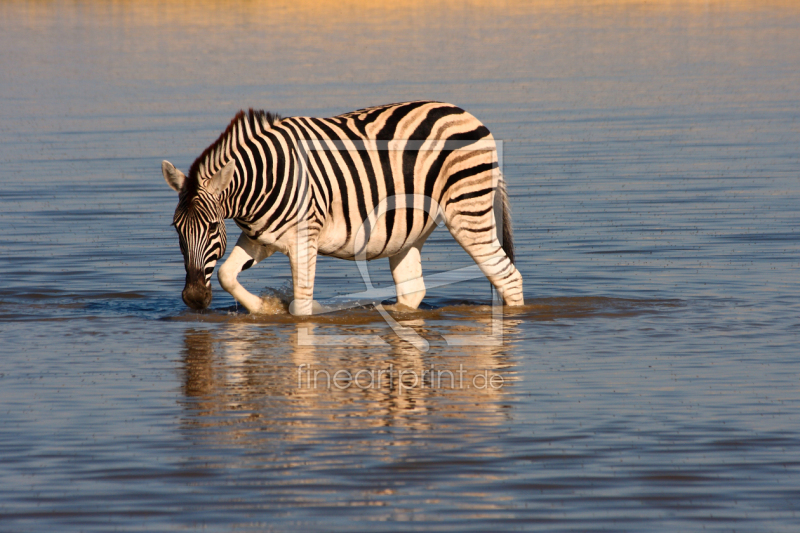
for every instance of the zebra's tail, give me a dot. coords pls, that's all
(502, 215)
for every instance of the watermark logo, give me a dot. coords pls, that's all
(376, 295)
(391, 378)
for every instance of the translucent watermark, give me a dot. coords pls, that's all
(373, 295)
(400, 379)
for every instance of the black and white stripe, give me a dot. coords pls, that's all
(306, 186)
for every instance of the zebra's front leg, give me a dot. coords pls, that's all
(304, 266)
(245, 254)
(407, 274)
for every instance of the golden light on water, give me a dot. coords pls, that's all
(349, 13)
(651, 152)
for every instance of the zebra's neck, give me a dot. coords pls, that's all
(249, 141)
(240, 201)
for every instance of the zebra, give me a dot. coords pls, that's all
(305, 186)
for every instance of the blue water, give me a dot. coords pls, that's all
(650, 384)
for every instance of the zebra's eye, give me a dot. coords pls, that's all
(213, 227)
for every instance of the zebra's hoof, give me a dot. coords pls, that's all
(307, 307)
(300, 307)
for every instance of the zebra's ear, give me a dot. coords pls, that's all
(174, 177)
(221, 179)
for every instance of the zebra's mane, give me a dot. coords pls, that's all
(211, 157)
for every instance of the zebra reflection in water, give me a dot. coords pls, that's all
(244, 383)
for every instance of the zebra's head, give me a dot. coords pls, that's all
(199, 220)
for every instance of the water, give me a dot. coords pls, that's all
(651, 151)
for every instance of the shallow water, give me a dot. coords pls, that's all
(650, 383)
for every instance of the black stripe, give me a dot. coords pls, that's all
(386, 134)
(453, 142)
(354, 177)
(256, 182)
(271, 199)
(468, 195)
(475, 213)
(468, 173)
(337, 174)
(289, 205)
(422, 133)
(366, 160)
(370, 177)
(319, 181)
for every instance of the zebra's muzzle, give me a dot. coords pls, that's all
(196, 294)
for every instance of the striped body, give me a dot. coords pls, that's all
(364, 185)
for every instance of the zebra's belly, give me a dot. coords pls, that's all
(334, 240)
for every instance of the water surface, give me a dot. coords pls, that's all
(650, 383)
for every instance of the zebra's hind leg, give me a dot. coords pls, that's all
(407, 274)
(245, 254)
(475, 232)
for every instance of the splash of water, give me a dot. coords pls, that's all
(275, 301)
